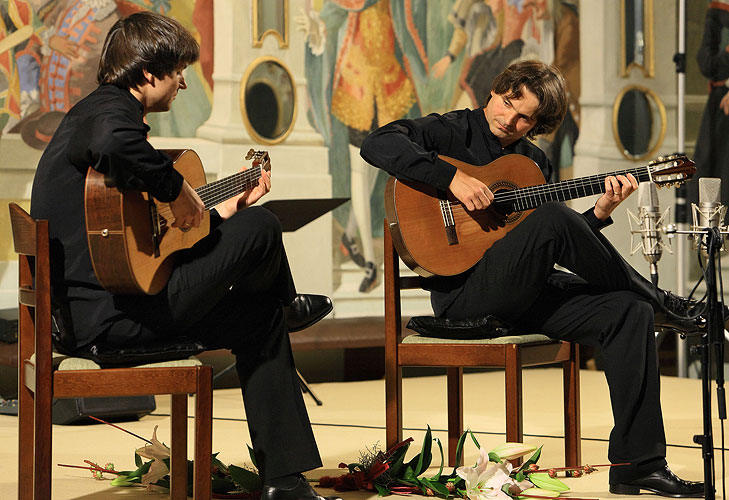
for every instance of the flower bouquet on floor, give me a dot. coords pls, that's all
(493, 476)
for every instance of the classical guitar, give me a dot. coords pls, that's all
(434, 234)
(130, 234)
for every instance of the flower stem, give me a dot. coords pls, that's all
(100, 469)
(120, 428)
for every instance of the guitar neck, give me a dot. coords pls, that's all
(531, 197)
(217, 192)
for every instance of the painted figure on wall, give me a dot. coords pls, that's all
(495, 33)
(18, 66)
(362, 58)
(56, 66)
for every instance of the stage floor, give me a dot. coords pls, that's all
(352, 418)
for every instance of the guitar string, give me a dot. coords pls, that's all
(569, 189)
(220, 190)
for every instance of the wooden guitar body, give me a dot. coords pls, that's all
(415, 217)
(130, 236)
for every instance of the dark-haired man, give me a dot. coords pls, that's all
(233, 289)
(605, 303)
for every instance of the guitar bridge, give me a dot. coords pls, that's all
(449, 222)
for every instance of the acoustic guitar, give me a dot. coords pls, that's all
(434, 234)
(130, 234)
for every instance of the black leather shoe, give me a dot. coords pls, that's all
(661, 482)
(305, 310)
(680, 306)
(302, 491)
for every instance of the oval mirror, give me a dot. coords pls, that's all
(268, 100)
(639, 122)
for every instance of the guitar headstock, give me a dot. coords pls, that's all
(671, 170)
(259, 158)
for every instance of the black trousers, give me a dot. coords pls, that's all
(606, 304)
(229, 291)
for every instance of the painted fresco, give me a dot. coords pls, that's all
(369, 62)
(49, 54)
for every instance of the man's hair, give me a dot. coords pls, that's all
(544, 81)
(145, 41)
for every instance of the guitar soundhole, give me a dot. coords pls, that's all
(505, 208)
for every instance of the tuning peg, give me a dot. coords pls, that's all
(250, 154)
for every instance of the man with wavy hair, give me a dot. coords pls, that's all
(605, 303)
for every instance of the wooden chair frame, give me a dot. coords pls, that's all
(38, 383)
(454, 357)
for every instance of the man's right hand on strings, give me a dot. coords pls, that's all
(187, 208)
(474, 194)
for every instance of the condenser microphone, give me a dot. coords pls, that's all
(649, 216)
(709, 213)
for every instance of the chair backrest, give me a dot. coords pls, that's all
(31, 242)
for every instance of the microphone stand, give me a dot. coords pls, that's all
(713, 337)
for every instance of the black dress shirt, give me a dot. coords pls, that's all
(409, 149)
(104, 131)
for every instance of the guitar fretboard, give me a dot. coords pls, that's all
(217, 192)
(531, 197)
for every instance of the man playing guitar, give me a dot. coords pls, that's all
(232, 289)
(605, 303)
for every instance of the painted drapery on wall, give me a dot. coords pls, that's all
(369, 62)
(49, 54)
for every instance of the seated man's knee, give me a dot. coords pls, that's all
(260, 223)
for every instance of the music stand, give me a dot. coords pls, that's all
(295, 214)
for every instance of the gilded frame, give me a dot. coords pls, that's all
(648, 68)
(257, 36)
(244, 113)
(662, 116)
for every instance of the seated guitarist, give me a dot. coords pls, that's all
(233, 289)
(605, 303)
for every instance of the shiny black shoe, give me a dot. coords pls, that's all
(302, 491)
(305, 310)
(680, 306)
(661, 482)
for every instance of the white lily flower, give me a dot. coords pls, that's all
(157, 452)
(484, 481)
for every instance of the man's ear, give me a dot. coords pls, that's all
(149, 77)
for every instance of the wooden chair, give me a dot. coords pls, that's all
(510, 353)
(39, 383)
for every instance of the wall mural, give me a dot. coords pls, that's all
(369, 62)
(49, 54)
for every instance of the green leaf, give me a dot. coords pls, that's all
(409, 474)
(493, 457)
(475, 441)
(459, 453)
(543, 481)
(220, 485)
(138, 460)
(422, 460)
(381, 490)
(520, 476)
(252, 454)
(440, 489)
(440, 471)
(245, 479)
(532, 460)
(397, 460)
(123, 481)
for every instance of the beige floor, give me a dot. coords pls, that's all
(352, 418)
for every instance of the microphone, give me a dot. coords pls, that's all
(650, 226)
(710, 212)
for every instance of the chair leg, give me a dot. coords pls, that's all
(178, 447)
(455, 412)
(26, 441)
(572, 430)
(393, 405)
(203, 433)
(43, 442)
(513, 387)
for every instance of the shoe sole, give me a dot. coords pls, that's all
(626, 489)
